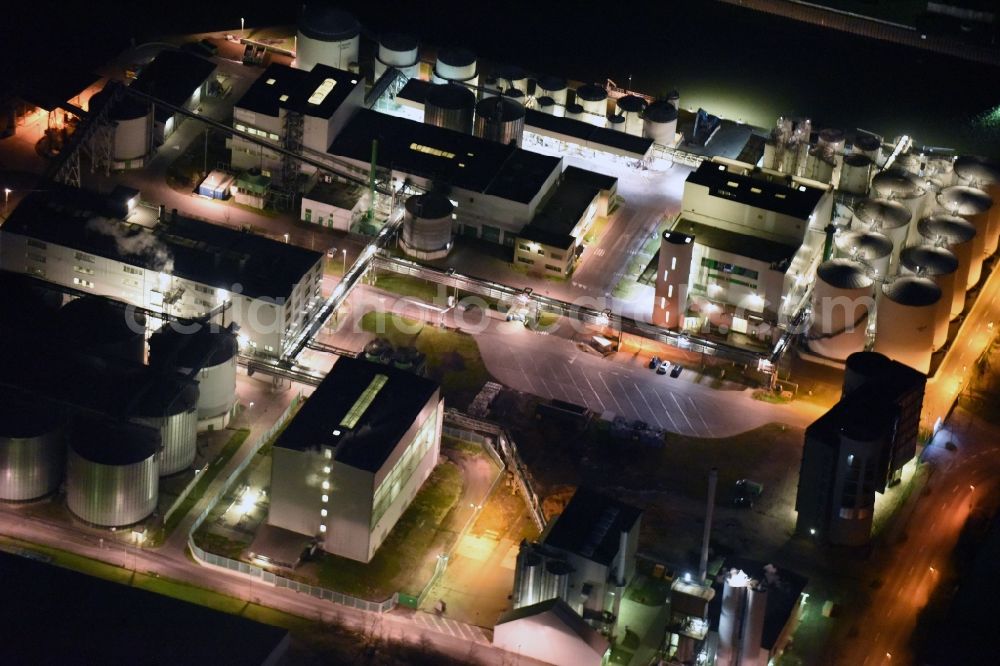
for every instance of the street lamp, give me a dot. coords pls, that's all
(241, 26)
(345, 262)
(6, 198)
(286, 238)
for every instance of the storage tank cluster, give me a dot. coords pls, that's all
(133, 126)
(631, 107)
(842, 301)
(941, 266)
(550, 95)
(500, 119)
(456, 65)
(512, 77)
(906, 321)
(170, 407)
(975, 206)
(659, 122)
(957, 235)
(889, 218)
(451, 106)
(904, 187)
(540, 577)
(983, 174)
(870, 248)
(327, 35)
(398, 51)
(855, 174)
(427, 226)
(593, 100)
(32, 450)
(100, 327)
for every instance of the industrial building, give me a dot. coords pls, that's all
(82, 241)
(178, 78)
(858, 448)
(552, 632)
(354, 457)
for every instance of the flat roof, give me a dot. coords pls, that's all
(369, 405)
(298, 87)
(199, 251)
(587, 133)
(102, 622)
(561, 611)
(555, 221)
(591, 525)
(341, 195)
(433, 152)
(794, 200)
(173, 76)
(769, 251)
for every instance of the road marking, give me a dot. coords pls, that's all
(610, 392)
(681, 410)
(694, 406)
(649, 406)
(666, 411)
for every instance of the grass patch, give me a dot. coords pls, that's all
(461, 445)
(73, 561)
(404, 561)
(218, 544)
(406, 285)
(770, 396)
(189, 593)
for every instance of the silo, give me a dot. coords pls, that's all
(731, 618)
(753, 626)
(170, 406)
(890, 218)
(659, 123)
(515, 95)
(868, 247)
(327, 35)
(399, 51)
(32, 452)
(632, 106)
(616, 122)
(984, 174)
(905, 324)
(111, 476)
(512, 76)
(456, 65)
(553, 87)
(820, 165)
(842, 300)
(956, 234)
(911, 163)
(547, 105)
(674, 99)
(529, 591)
(855, 173)
(555, 580)
(831, 141)
(862, 367)
(594, 100)
(451, 106)
(974, 205)
(207, 355)
(500, 119)
(102, 327)
(133, 120)
(574, 111)
(427, 225)
(904, 187)
(940, 265)
(868, 145)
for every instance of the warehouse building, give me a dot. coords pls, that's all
(550, 631)
(178, 78)
(82, 241)
(349, 464)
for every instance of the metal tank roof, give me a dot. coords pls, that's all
(631, 104)
(108, 443)
(868, 363)
(867, 244)
(178, 346)
(591, 92)
(21, 417)
(950, 228)
(660, 111)
(511, 73)
(96, 320)
(328, 24)
(515, 94)
(499, 109)
(979, 169)
(397, 41)
(456, 57)
(913, 291)
(168, 396)
(450, 96)
(574, 108)
(857, 160)
(549, 82)
(545, 101)
(831, 135)
(867, 142)
(128, 107)
(844, 274)
(887, 214)
(963, 200)
(930, 259)
(430, 206)
(896, 182)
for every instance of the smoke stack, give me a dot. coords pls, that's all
(159, 212)
(829, 230)
(713, 479)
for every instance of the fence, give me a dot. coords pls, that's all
(254, 572)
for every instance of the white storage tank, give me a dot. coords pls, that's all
(659, 122)
(547, 105)
(100, 327)
(500, 119)
(940, 265)
(905, 324)
(984, 174)
(868, 145)
(553, 87)
(842, 300)
(171, 407)
(451, 106)
(855, 173)
(327, 35)
(868, 247)
(516, 95)
(632, 107)
(616, 122)
(890, 218)
(974, 205)
(820, 165)
(555, 580)
(133, 121)
(956, 234)
(574, 111)
(594, 100)
(32, 451)
(111, 475)
(427, 226)
(530, 569)
(512, 76)
(911, 163)
(831, 141)
(904, 187)
(456, 65)
(399, 51)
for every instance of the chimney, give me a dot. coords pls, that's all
(713, 478)
(622, 556)
(828, 244)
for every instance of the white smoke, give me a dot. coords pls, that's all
(143, 243)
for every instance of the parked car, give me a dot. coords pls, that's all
(676, 372)
(654, 363)
(662, 368)
(746, 493)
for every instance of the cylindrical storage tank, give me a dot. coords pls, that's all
(940, 265)
(553, 87)
(32, 451)
(557, 579)
(616, 122)
(594, 100)
(512, 76)
(905, 323)
(842, 301)
(547, 105)
(731, 618)
(868, 247)
(206, 355)
(133, 120)
(903, 187)
(399, 51)
(99, 327)
(456, 65)
(831, 141)
(111, 475)
(984, 174)
(427, 225)
(674, 99)
(171, 407)
(451, 106)
(770, 153)
(862, 367)
(855, 173)
(574, 111)
(500, 119)
(974, 205)
(957, 234)
(632, 106)
(820, 165)
(886, 217)
(531, 580)
(515, 95)
(868, 145)
(753, 627)
(659, 123)
(911, 163)
(327, 35)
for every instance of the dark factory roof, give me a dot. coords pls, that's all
(284, 87)
(796, 201)
(433, 152)
(361, 410)
(762, 249)
(576, 190)
(636, 146)
(173, 76)
(207, 253)
(103, 622)
(591, 526)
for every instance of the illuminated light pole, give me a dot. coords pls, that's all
(241, 27)
(345, 262)
(6, 199)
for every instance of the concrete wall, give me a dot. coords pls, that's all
(296, 490)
